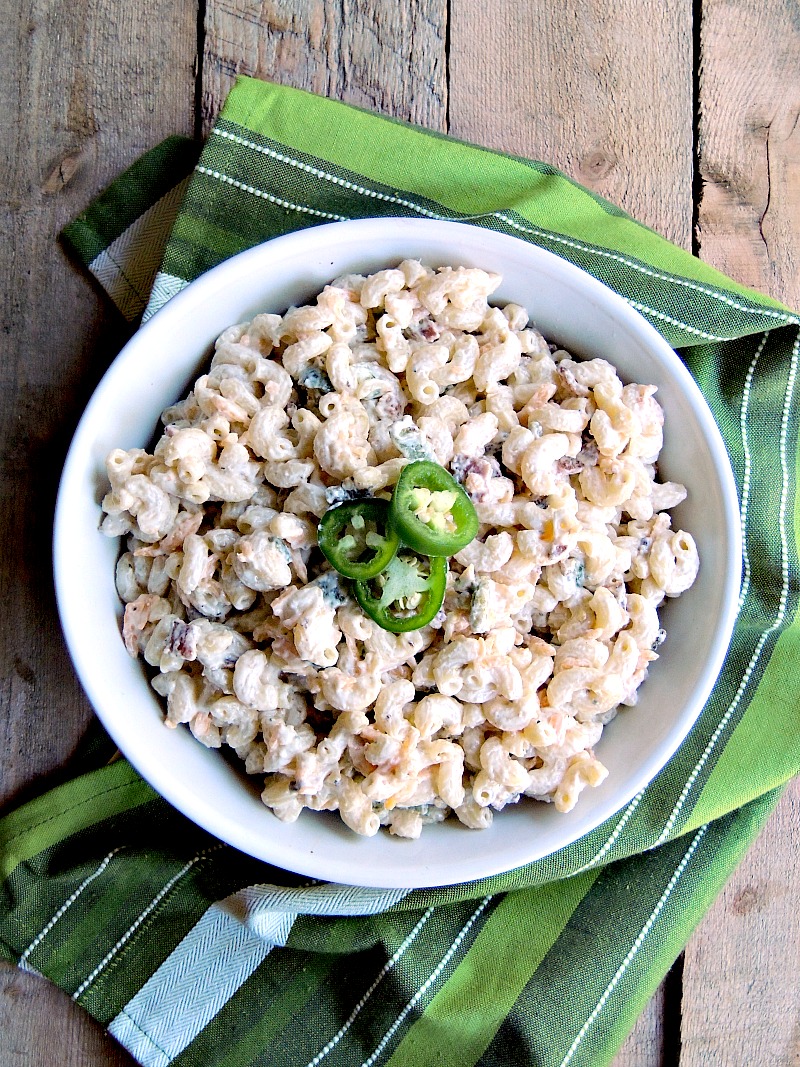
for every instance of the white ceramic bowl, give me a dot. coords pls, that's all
(156, 367)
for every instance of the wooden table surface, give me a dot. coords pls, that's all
(685, 112)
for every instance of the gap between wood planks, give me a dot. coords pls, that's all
(447, 44)
(671, 1020)
(673, 981)
(697, 178)
(198, 74)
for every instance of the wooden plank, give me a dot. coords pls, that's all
(644, 1045)
(560, 82)
(749, 143)
(91, 104)
(373, 53)
(41, 1025)
(564, 83)
(741, 1003)
(86, 88)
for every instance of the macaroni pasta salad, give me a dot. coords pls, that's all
(549, 620)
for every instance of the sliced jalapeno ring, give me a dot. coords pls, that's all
(407, 594)
(357, 539)
(430, 510)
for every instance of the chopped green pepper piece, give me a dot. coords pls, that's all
(408, 593)
(430, 510)
(357, 539)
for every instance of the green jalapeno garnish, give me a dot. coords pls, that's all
(357, 539)
(430, 510)
(407, 594)
(395, 552)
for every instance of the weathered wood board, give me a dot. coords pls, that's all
(630, 99)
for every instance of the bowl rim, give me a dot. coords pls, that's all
(223, 276)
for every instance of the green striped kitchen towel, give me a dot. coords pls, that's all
(190, 952)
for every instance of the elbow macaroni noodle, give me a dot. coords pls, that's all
(549, 621)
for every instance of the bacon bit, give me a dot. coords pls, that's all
(475, 473)
(587, 457)
(426, 330)
(569, 465)
(136, 618)
(187, 523)
(390, 406)
(182, 640)
(571, 383)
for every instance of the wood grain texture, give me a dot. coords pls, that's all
(373, 53)
(86, 88)
(741, 1000)
(644, 1045)
(749, 143)
(42, 1027)
(740, 996)
(603, 91)
(565, 83)
(88, 93)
